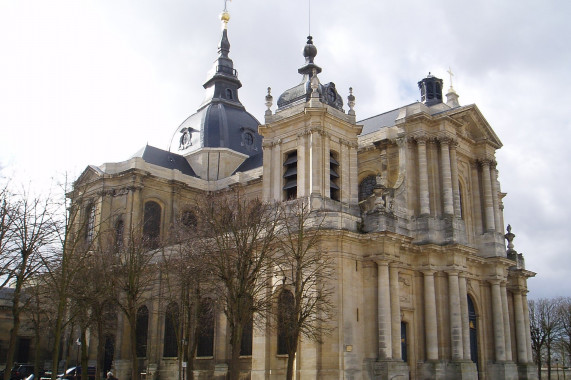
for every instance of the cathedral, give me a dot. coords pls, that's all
(425, 287)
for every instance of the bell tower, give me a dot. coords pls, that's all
(310, 144)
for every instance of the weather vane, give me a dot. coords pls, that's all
(225, 3)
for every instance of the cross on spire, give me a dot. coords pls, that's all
(225, 4)
(449, 71)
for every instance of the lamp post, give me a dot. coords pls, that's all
(557, 366)
(78, 342)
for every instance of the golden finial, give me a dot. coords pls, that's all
(225, 16)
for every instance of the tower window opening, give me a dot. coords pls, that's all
(334, 177)
(229, 94)
(290, 175)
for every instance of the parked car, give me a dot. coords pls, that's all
(74, 373)
(21, 371)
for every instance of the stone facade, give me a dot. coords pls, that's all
(424, 286)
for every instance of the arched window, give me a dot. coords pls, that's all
(119, 231)
(472, 322)
(205, 334)
(229, 94)
(366, 187)
(90, 223)
(285, 321)
(152, 224)
(170, 341)
(142, 328)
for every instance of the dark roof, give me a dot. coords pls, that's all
(252, 162)
(165, 159)
(374, 123)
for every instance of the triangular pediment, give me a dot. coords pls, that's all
(90, 174)
(475, 126)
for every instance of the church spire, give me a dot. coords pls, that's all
(223, 77)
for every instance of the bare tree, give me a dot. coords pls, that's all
(237, 235)
(187, 279)
(33, 230)
(305, 301)
(76, 236)
(544, 324)
(134, 272)
(7, 248)
(565, 322)
(93, 293)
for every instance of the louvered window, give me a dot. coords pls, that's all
(333, 177)
(290, 175)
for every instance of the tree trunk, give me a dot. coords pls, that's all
(133, 341)
(15, 324)
(84, 355)
(236, 342)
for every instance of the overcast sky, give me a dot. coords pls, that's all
(88, 82)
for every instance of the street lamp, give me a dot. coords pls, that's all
(557, 366)
(78, 342)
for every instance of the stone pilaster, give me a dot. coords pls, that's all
(464, 316)
(316, 155)
(384, 322)
(277, 171)
(326, 166)
(267, 187)
(456, 335)
(302, 166)
(430, 325)
(446, 176)
(395, 313)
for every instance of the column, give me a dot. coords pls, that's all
(345, 173)
(385, 333)
(495, 198)
(464, 316)
(521, 340)
(527, 326)
(488, 200)
(456, 335)
(423, 176)
(267, 181)
(446, 176)
(395, 313)
(498, 321)
(476, 199)
(353, 173)
(507, 329)
(455, 183)
(430, 325)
